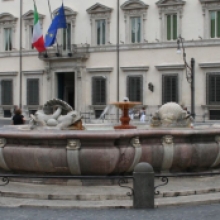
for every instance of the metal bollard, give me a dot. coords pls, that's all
(143, 186)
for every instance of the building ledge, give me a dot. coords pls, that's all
(135, 68)
(209, 65)
(99, 69)
(170, 67)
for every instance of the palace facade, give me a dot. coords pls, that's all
(84, 69)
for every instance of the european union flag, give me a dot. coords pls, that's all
(59, 21)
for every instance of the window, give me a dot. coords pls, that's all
(213, 88)
(99, 91)
(67, 38)
(32, 91)
(100, 31)
(135, 88)
(31, 28)
(135, 30)
(8, 39)
(135, 17)
(172, 27)
(7, 92)
(215, 24)
(170, 14)
(170, 88)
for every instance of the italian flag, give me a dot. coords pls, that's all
(37, 40)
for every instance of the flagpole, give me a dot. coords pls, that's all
(20, 53)
(51, 15)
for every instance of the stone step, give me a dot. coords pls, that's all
(72, 197)
(210, 198)
(90, 193)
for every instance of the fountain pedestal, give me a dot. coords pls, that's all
(125, 119)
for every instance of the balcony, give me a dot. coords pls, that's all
(58, 53)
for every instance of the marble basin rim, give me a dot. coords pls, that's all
(107, 152)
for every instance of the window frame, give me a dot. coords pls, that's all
(12, 92)
(101, 33)
(99, 12)
(141, 87)
(172, 27)
(207, 7)
(94, 91)
(167, 7)
(28, 91)
(208, 76)
(137, 41)
(6, 48)
(164, 90)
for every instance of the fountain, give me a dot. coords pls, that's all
(48, 145)
(125, 119)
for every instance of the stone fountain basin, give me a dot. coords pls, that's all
(108, 151)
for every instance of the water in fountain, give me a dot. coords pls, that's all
(107, 109)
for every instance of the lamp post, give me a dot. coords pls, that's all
(190, 73)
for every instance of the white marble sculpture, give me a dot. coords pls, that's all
(57, 119)
(171, 115)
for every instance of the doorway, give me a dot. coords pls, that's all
(66, 87)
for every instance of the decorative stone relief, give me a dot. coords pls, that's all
(208, 6)
(97, 12)
(73, 147)
(168, 146)
(73, 144)
(134, 8)
(7, 21)
(2, 160)
(135, 143)
(217, 161)
(170, 7)
(2, 142)
(168, 139)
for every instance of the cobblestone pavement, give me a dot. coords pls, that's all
(206, 212)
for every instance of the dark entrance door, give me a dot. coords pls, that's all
(66, 87)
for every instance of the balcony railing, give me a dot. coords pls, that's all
(57, 52)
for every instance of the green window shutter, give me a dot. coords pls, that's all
(174, 27)
(103, 32)
(139, 29)
(169, 88)
(33, 91)
(168, 27)
(98, 91)
(98, 32)
(133, 30)
(135, 88)
(212, 26)
(7, 92)
(213, 88)
(218, 24)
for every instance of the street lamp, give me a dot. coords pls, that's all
(190, 72)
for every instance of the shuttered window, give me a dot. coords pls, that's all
(135, 88)
(213, 88)
(32, 91)
(215, 24)
(170, 88)
(7, 92)
(99, 91)
(172, 27)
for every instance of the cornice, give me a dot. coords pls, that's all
(33, 72)
(135, 68)
(170, 67)
(209, 65)
(98, 8)
(99, 69)
(8, 73)
(134, 5)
